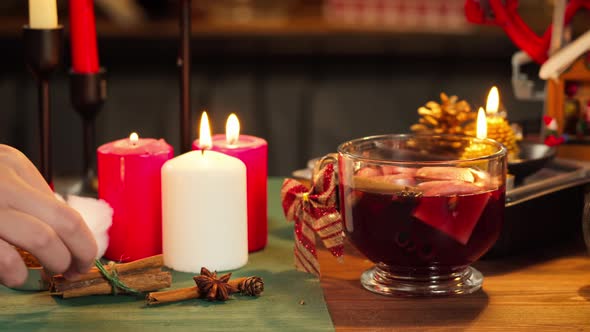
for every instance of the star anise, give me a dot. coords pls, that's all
(212, 287)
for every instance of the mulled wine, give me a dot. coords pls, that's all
(411, 230)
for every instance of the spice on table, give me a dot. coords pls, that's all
(251, 286)
(142, 275)
(211, 287)
(214, 288)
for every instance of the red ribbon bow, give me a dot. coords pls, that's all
(314, 211)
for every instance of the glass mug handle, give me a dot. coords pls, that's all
(330, 158)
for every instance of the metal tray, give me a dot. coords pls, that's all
(548, 208)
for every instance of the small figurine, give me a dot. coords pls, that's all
(552, 137)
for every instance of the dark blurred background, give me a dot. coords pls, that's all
(304, 74)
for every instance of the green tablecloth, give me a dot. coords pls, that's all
(279, 308)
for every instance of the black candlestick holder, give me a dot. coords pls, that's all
(184, 64)
(88, 92)
(43, 50)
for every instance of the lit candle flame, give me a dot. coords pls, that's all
(493, 102)
(482, 125)
(205, 142)
(232, 129)
(133, 138)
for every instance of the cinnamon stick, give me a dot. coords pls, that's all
(174, 295)
(142, 275)
(144, 282)
(30, 260)
(156, 261)
(252, 286)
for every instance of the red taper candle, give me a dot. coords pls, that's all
(83, 35)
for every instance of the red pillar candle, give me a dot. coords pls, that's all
(252, 151)
(83, 35)
(129, 173)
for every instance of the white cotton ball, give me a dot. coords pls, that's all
(98, 215)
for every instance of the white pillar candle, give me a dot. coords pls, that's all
(204, 212)
(42, 14)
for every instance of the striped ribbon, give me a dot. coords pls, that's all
(314, 212)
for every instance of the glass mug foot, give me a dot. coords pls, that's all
(381, 281)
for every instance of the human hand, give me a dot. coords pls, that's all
(32, 218)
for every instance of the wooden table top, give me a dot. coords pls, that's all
(542, 291)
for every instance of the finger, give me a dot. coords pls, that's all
(65, 221)
(24, 168)
(72, 274)
(13, 272)
(36, 237)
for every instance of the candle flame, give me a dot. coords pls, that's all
(493, 102)
(205, 133)
(232, 129)
(482, 125)
(133, 138)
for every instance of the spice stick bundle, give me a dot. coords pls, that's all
(143, 275)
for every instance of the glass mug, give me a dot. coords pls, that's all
(422, 208)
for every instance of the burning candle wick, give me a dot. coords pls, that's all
(133, 139)
(205, 141)
(232, 130)
(493, 102)
(232, 142)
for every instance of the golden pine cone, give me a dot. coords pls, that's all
(499, 129)
(448, 117)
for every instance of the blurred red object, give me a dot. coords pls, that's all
(552, 137)
(553, 140)
(504, 13)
